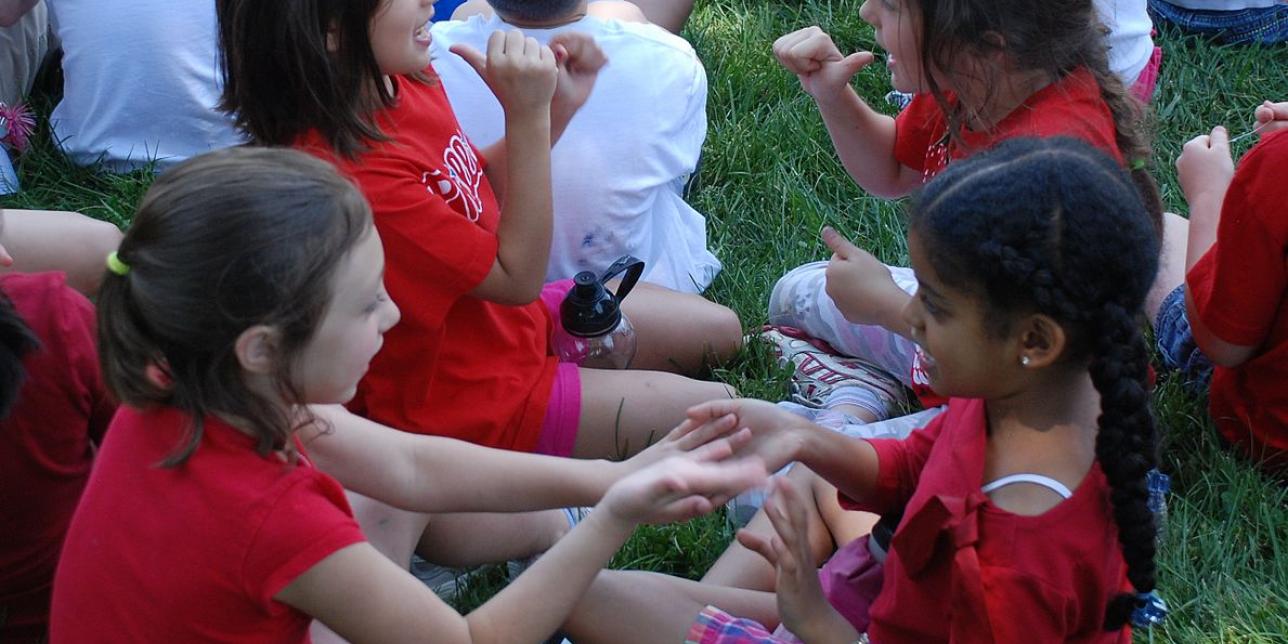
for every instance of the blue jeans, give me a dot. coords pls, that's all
(1176, 346)
(443, 9)
(1264, 25)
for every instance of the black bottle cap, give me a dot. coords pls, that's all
(590, 309)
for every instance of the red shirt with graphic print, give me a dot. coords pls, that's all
(456, 365)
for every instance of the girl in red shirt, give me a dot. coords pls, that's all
(1024, 504)
(249, 286)
(981, 71)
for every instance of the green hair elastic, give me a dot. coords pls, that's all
(117, 266)
(1138, 164)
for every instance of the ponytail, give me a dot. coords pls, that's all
(1126, 447)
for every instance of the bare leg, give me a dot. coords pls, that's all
(623, 411)
(631, 607)
(1171, 265)
(471, 8)
(50, 240)
(468, 539)
(830, 527)
(669, 14)
(679, 332)
(616, 10)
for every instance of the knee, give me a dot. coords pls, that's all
(97, 239)
(616, 10)
(724, 332)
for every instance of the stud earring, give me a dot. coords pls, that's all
(1024, 361)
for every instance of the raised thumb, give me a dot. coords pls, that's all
(474, 57)
(855, 62)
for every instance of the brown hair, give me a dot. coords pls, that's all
(1056, 37)
(291, 66)
(221, 243)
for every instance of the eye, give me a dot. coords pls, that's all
(932, 309)
(381, 297)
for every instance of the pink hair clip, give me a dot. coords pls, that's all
(16, 125)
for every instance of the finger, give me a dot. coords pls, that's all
(560, 52)
(1219, 139)
(703, 433)
(474, 57)
(838, 243)
(1264, 113)
(757, 544)
(1278, 125)
(712, 452)
(514, 41)
(787, 563)
(532, 48)
(6, 260)
(706, 411)
(854, 63)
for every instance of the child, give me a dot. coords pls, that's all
(620, 167)
(1228, 306)
(250, 285)
(472, 357)
(1024, 504)
(982, 72)
(53, 412)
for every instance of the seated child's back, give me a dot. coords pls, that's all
(620, 166)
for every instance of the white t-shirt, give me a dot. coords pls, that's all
(1225, 5)
(142, 82)
(620, 166)
(1129, 41)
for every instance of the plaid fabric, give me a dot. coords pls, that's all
(715, 626)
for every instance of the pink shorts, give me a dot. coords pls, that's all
(1145, 84)
(563, 411)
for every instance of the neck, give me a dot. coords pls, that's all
(1057, 411)
(558, 21)
(986, 106)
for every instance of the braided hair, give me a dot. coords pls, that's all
(1056, 227)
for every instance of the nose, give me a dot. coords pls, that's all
(912, 316)
(391, 316)
(867, 13)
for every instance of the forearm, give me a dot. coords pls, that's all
(828, 628)
(864, 141)
(555, 583)
(848, 463)
(524, 232)
(1205, 216)
(1219, 351)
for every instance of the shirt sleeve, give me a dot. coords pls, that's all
(307, 523)
(899, 465)
(434, 254)
(1235, 284)
(80, 328)
(915, 129)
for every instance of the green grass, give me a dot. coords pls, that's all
(770, 181)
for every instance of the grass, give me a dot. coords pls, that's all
(771, 181)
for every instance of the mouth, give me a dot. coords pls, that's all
(422, 35)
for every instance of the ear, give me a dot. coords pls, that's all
(256, 349)
(1041, 341)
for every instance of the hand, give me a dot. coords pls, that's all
(801, 603)
(713, 440)
(860, 285)
(823, 71)
(775, 435)
(1271, 117)
(519, 70)
(579, 60)
(1205, 167)
(679, 489)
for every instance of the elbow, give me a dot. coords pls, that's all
(1228, 356)
(520, 294)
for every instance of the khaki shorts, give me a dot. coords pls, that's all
(23, 48)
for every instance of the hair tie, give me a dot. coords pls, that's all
(1150, 610)
(117, 266)
(1138, 164)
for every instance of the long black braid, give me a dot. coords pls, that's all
(1056, 227)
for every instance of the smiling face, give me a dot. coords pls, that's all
(897, 25)
(328, 368)
(964, 357)
(400, 36)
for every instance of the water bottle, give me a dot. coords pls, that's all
(595, 334)
(1158, 484)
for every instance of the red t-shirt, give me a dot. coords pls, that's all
(1240, 289)
(194, 552)
(46, 446)
(1069, 107)
(456, 365)
(961, 569)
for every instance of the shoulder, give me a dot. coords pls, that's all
(58, 314)
(1258, 186)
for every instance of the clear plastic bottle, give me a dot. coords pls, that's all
(1159, 485)
(594, 331)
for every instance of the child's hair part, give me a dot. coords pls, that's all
(291, 66)
(1056, 37)
(16, 341)
(534, 10)
(221, 243)
(1055, 227)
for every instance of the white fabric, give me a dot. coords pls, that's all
(1036, 479)
(1129, 41)
(142, 82)
(621, 164)
(1225, 5)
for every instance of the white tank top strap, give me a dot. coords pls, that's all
(1037, 479)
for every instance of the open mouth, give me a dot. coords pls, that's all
(421, 35)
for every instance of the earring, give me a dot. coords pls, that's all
(1024, 361)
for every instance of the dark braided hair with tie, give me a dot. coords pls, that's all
(1055, 227)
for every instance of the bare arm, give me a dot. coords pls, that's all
(11, 11)
(864, 139)
(364, 597)
(1205, 169)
